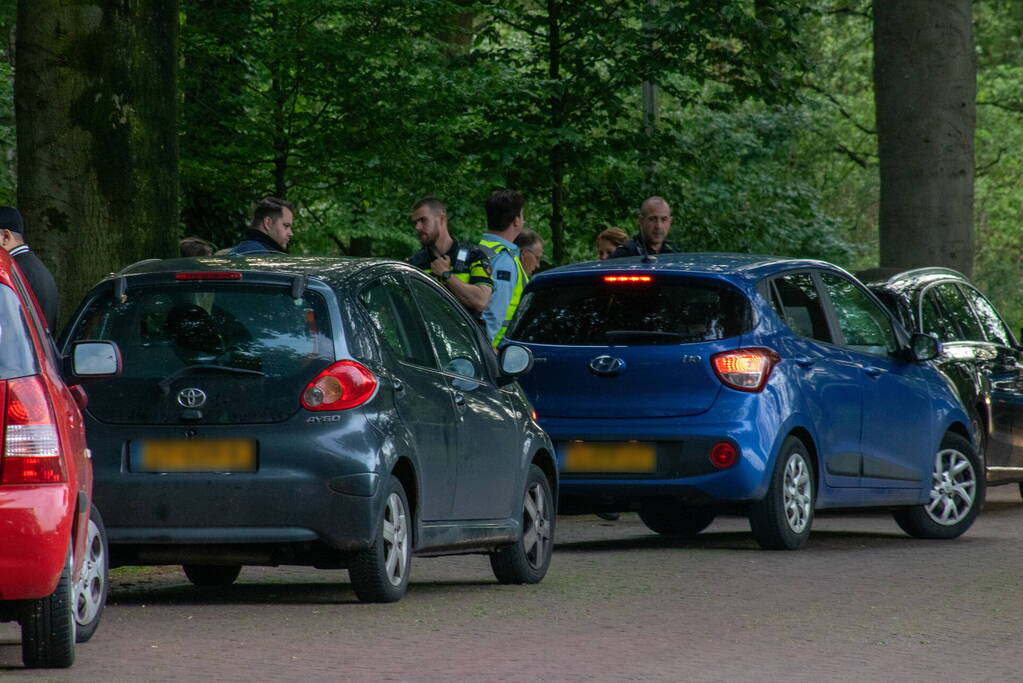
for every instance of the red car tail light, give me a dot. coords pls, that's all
(209, 275)
(745, 369)
(345, 384)
(31, 453)
(621, 279)
(723, 454)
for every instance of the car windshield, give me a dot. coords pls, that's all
(16, 356)
(253, 343)
(665, 310)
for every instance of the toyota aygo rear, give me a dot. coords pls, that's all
(693, 383)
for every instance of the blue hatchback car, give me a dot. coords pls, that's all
(689, 384)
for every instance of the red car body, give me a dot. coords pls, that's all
(45, 470)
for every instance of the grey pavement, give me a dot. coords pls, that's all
(861, 602)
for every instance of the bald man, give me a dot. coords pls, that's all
(654, 223)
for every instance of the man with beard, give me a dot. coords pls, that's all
(270, 229)
(461, 267)
(654, 222)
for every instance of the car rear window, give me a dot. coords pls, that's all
(666, 310)
(250, 348)
(16, 354)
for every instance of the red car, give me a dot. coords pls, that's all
(53, 548)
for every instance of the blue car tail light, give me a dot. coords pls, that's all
(746, 369)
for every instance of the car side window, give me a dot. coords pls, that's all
(996, 331)
(934, 319)
(864, 324)
(796, 300)
(395, 317)
(959, 311)
(451, 333)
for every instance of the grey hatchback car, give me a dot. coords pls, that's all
(339, 413)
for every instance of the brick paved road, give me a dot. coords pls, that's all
(862, 602)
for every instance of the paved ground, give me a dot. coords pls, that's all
(862, 602)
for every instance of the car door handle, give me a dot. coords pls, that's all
(804, 361)
(872, 371)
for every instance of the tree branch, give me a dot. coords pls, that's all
(841, 109)
(858, 158)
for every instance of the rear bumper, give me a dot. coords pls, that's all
(35, 528)
(683, 454)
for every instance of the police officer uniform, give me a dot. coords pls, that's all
(509, 279)
(469, 264)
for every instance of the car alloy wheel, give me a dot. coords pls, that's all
(954, 489)
(536, 537)
(797, 497)
(396, 540)
(89, 588)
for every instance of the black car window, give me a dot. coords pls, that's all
(996, 331)
(253, 348)
(934, 319)
(17, 358)
(864, 324)
(453, 335)
(798, 303)
(665, 310)
(395, 316)
(959, 312)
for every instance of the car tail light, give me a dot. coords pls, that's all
(209, 275)
(345, 384)
(723, 454)
(622, 279)
(31, 452)
(744, 369)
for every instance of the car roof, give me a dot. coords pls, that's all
(899, 278)
(718, 264)
(331, 269)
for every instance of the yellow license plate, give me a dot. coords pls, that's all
(610, 457)
(198, 455)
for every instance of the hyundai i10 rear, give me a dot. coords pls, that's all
(700, 382)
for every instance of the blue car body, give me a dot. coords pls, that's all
(872, 422)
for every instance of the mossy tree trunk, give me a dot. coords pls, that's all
(95, 104)
(925, 79)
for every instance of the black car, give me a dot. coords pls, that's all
(327, 412)
(981, 356)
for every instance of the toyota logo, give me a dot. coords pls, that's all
(607, 366)
(191, 397)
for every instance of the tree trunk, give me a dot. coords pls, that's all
(556, 155)
(925, 81)
(95, 103)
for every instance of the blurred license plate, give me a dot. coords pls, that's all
(195, 455)
(610, 457)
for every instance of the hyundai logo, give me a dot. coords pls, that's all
(607, 366)
(191, 397)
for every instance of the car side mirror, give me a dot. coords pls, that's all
(93, 360)
(514, 360)
(924, 347)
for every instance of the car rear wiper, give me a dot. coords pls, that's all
(626, 337)
(165, 383)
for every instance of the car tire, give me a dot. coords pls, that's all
(669, 518)
(781, 520)
(90, 590)
(211, 575)
(48, 627)
(527, 560)
(380, 573)
(957, 493)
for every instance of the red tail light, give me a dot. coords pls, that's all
(723, 455)
(209, 275)
(345, 384)
(616, 279)
(745, 369)
(31, 452)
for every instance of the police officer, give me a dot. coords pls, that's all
(504, 223)
(463, 268)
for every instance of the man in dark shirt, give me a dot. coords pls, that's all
(270, 229)
(654, 223)
(462, 268)
(12, 238)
